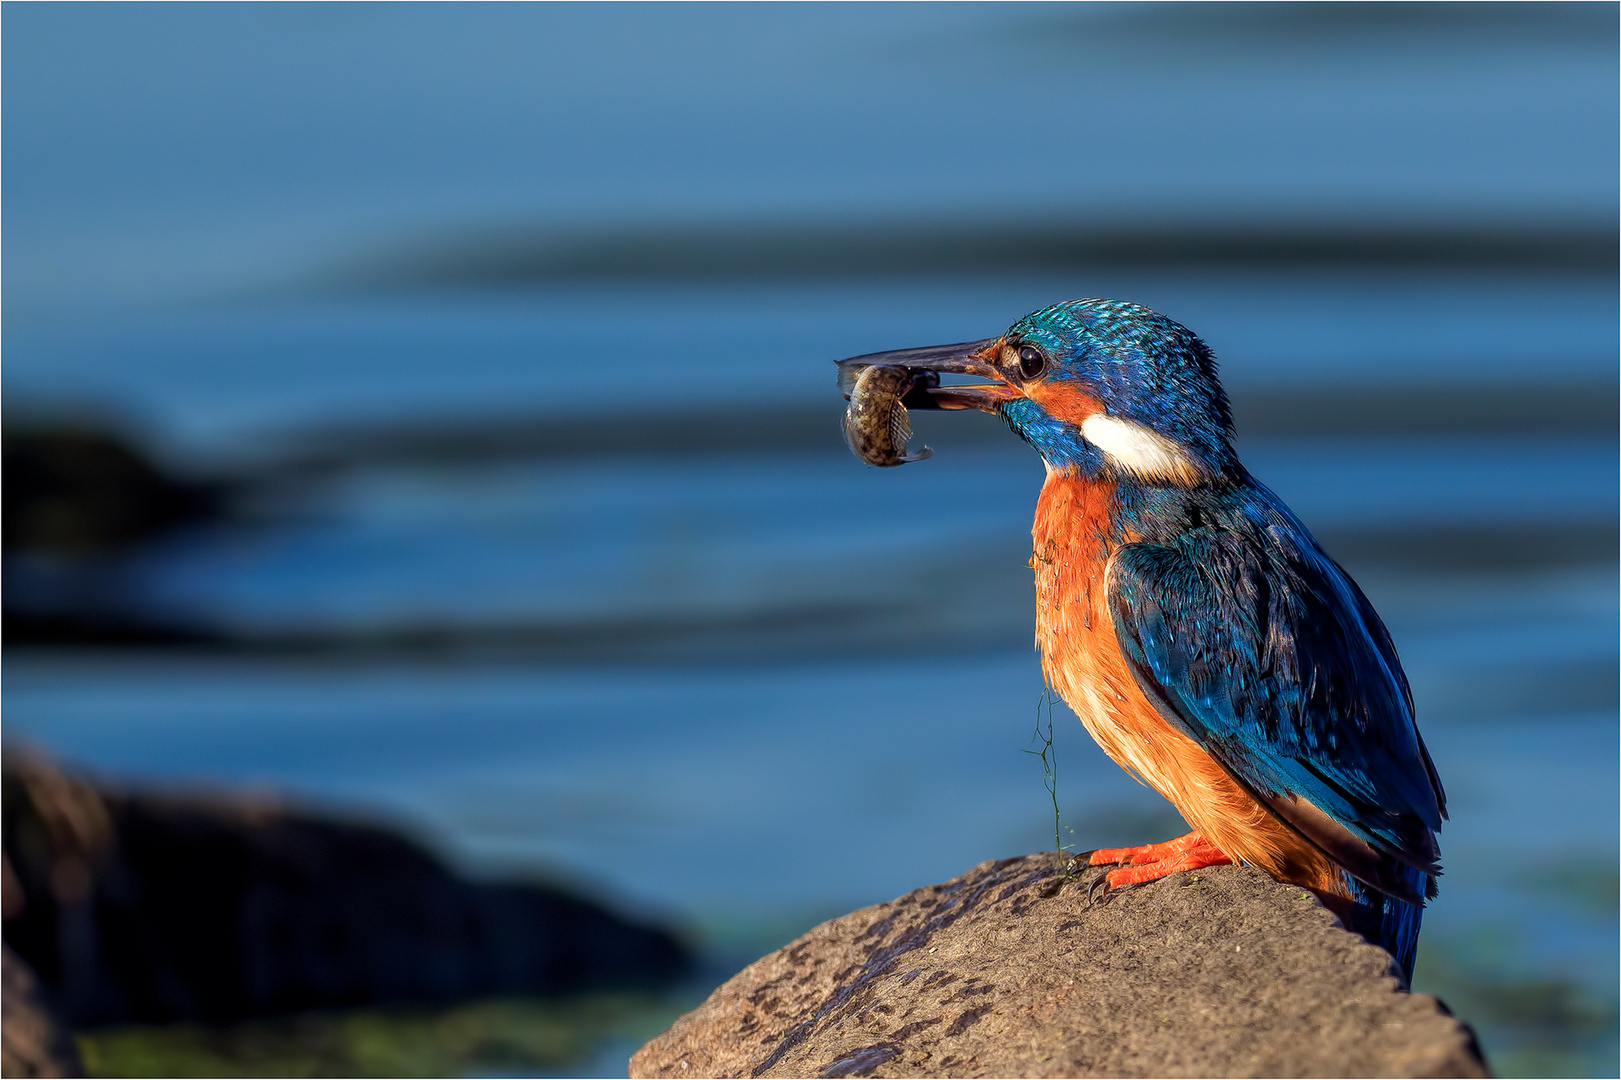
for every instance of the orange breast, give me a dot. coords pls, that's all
(1081, 659)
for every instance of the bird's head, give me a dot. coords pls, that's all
(1102, 387)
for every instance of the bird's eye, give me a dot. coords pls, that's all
(1031, 362)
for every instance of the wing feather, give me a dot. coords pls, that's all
(1255, 644)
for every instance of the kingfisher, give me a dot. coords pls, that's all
(1209, 644)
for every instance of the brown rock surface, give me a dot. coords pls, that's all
(156, 907)
(1011, 970)
(33, 1040)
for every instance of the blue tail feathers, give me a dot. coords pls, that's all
(1387, 922)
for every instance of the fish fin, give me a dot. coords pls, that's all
(900, 427)
(849, 374)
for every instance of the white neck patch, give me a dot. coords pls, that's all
(1138, 450)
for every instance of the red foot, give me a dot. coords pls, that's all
(1150, 862)
(1148, 853)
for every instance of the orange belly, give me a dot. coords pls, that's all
(1081, 659)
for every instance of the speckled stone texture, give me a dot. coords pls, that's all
(1014, 970)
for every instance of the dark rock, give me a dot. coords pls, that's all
(72, 489)
(1014, 970)
(152, 908)
(33, 1041)
(80, 503)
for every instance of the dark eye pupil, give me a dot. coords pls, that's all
(1030, 362)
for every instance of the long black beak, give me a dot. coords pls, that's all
(927, 364)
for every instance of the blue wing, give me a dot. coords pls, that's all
(1253, 642)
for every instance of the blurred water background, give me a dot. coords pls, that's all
(501, 337)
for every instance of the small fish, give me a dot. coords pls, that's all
(876, 425)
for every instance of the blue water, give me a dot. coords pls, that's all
(852, 719)
(227, 378)
(748, 691)
(161, 154)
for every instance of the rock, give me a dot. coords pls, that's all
(80, 503)
(1011, 970)
(157, 908)
(73, 488)
(33, 1041)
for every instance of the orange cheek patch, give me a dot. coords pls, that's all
(1064, 401)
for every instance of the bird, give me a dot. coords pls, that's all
(1204, 638)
